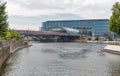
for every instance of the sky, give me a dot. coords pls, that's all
(29, 14)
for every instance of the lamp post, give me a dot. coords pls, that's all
(81, 33)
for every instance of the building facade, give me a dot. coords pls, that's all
(92, 27)
(67, 30)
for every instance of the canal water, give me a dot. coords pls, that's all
(62, 59)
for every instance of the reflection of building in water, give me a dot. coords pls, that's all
(93, 27)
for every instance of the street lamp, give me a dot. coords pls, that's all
(81, 32)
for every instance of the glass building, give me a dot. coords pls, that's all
(91, 27)
(67, 30)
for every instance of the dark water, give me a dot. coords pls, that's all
(63, 59)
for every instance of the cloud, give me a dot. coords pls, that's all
(57, 9)
(84, 8)
(36, 22)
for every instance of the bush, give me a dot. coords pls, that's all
(110, 38)
(97, 38)
(89, 38)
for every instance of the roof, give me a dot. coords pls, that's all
(79, 20)
(68, 30)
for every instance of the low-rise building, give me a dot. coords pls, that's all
(91, 27)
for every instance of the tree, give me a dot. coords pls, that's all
(115, 19)
(10, 34)
(3, 20)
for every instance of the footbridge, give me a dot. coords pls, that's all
(53, 34)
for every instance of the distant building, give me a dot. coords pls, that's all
(91, 27)
(67, 30)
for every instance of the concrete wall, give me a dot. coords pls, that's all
(4, 53)
(16, 45)
(8, 50)
(115, 49)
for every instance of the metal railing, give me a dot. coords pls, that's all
(12, 43)
(4, 43)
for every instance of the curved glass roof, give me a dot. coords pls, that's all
(65, 30)
(71, 30)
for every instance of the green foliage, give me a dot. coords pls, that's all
(3, 20)
(115, 18)
(10, 34)
(97, 38)
(89, 38)
(110, 38)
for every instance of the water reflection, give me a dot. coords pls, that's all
(63, 59)
(74, 54)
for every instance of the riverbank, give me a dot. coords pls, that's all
(14, 46)
(64, 59)
(102, 42)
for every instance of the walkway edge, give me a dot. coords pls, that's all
(10, 53)
(114, 49)
(20, 48)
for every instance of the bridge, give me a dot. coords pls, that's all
(48, 35)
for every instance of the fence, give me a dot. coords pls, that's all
(12, 43)
(4, 43)
(16, 44)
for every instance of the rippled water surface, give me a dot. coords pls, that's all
(63, 59)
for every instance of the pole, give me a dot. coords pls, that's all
(80, 33)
